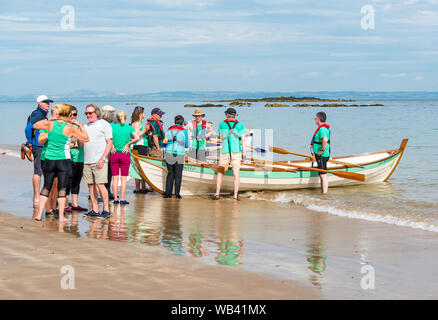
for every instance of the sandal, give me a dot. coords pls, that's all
(79, 208)
(215, 197)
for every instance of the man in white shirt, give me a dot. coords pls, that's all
(96, 153)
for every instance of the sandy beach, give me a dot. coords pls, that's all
(32, 255)
(196, 248)
(32, 258)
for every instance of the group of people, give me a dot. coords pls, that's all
(67, 152)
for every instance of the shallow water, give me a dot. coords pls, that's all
(258, 233)
(410, 198)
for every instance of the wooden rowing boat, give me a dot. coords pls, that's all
(200, 179)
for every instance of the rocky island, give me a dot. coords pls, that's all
(208, 105)
(284, 99)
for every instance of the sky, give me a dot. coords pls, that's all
(134, 46)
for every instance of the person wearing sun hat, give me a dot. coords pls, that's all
(40, 113)
(198, 134)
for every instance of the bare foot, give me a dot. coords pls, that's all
(63, 220)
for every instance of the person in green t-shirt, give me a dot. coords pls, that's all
(121, 154)
(320, 147)
(231, 134)
(77, 167)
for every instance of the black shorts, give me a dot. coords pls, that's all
(142, 150)
(53, 169)
(321, 162)
(36, 152)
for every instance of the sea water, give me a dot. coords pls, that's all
(409, 199)
(233, 235)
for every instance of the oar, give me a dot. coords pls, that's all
(284, 151)
(261, 150)
(212, 166)
(342, 174)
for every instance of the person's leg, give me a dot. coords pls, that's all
(93, 199)
(124, 172)
(169, 179)
(50, 174)
(123, 187)
(218, 183)
(115, 184)
(178, 178)
(63, 171)
(76, 183)
(114, 168)
(322, 164)
(236, 160)
(236, 173)
(224, 161)
(37, 172)
(61, 206)
(36, 183)
(104, 194)
(324, 183)
(53, 195)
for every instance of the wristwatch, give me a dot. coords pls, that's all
(104, 159)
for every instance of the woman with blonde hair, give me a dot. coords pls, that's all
(121, 154)
(141, 146)
(42, 139)
(57, 155)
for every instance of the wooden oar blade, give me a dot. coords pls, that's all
(349, 175)
(217, 168)
(278, 150)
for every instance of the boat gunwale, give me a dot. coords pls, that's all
(392, 153)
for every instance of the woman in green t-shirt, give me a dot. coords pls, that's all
(57, 156)
(120, 154)
(77, 167)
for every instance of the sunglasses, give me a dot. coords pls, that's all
(74, 114)
(89, 113)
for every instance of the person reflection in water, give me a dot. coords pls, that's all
(172, 236)
(230, 248)
(117, 226)
(316, 256)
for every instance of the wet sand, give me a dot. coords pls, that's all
(32, 258)
(32, 255)
(179, 248)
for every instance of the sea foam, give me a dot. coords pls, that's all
(335, 207)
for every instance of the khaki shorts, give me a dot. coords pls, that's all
(155, 153)
(236, 159)
(92, 175)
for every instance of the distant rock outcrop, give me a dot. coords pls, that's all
(276, 105)
(240, 104)
(208, 105)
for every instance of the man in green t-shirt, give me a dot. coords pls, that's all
(320, 147)
(231, 133)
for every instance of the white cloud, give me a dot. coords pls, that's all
(313, 74)
(11, 69)
(392, 75)
(418, 78)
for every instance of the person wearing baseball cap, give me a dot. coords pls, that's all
(157, 136)
(231, 133)
(40, 113)
(198, 134)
